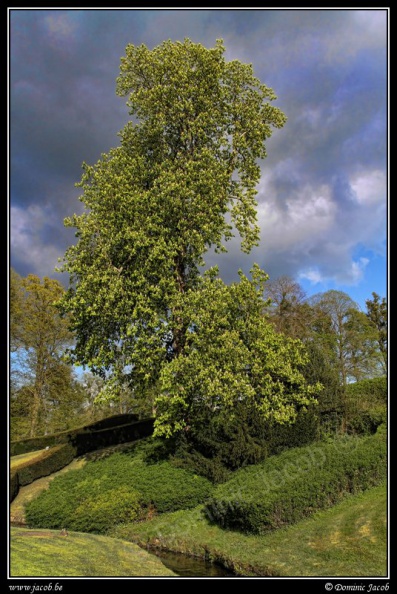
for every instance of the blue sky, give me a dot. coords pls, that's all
(323, 194)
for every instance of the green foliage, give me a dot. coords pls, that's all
(366, 403)
(182, 181)
(100, 512)
(377, 314)
(288, 487)
(233, 356)
(48, 462)
(369, 390)
(40, 336)
(214, 447)
(85, 491)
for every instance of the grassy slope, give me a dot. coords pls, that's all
(346, 540)
(47, 553)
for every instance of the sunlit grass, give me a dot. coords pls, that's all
(48, 553)
(349, 539)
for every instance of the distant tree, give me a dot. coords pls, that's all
(336, 308)
(39, 336)
(15, 307)
(287, 305)
(364, 359)
(348, 339)
(377, 313)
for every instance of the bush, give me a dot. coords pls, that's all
(99, 513)
(215, 446)
(294, 484)
(158, 483)
(366, 405)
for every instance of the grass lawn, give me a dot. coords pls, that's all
(46, 553)
(349, 539)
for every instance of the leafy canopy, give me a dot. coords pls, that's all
(183, 180)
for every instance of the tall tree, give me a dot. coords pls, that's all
(233, 357)
(364, 359)
(182, 181)
(41, 337)
(288, 310)
(15, 307)
(377, 314)
(336, 306)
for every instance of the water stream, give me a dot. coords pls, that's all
(186, 566)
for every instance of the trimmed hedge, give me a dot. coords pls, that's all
(68, 445)
(369, 389)
(46, 463)
(70, 500)
(288, 487)
(49, 461)
(24, 446)
(87, 441)
(366, 405)
(14, 485)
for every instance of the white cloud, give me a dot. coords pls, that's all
(370, 187)
(27, 241)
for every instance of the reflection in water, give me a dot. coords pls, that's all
(186, 566)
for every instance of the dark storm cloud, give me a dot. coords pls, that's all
(323, 186)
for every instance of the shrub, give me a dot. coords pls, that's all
(294, 484)
(366, 405)
(158, 483)
(214, 447)
(101, 512)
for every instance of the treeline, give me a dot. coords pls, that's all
(345, 345)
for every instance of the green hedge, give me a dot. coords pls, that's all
(49, 461)
(100, 512)
(366, 405)
(369, 389)
(14, 485)
(38, 443)
(89, 440)
(286, 488)
(158, 485)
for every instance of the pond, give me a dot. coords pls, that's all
(186, 566)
